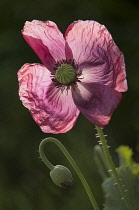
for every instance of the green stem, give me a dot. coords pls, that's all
(43, 157)
(112, 166)
(72, 162)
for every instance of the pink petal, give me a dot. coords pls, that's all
(97, 102)
(97, 54)
(46, 40)
(54, 111)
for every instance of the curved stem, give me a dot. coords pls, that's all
(72, 162)
(43, 157)
(111, 166)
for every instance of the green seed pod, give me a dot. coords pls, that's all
(65, 74)
(61, 176)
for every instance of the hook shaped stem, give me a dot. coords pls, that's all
(72, 162)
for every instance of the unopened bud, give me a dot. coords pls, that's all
(61, 176)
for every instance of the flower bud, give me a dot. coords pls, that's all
(61, 176)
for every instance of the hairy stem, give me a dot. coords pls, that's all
(111, 166)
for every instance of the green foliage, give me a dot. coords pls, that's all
(129, 174)
(125, 159)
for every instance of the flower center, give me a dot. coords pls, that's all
(65, 74)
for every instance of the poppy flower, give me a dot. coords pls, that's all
(82, 71)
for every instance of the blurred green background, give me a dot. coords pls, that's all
(24, 179)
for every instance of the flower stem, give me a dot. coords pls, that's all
(72, 162)
(111, 166)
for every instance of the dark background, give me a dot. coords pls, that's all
(24, 179)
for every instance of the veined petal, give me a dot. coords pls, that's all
(46, 40)
(97, 54)
(96, 102)
(54, 111)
